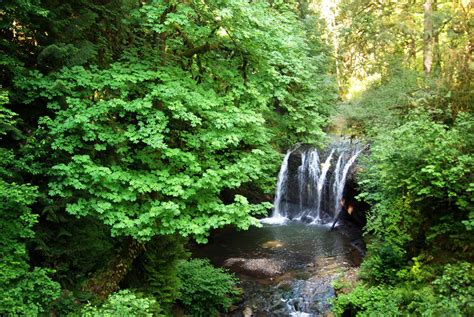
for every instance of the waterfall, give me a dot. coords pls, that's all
(336, 185)
(341, 181)
(302, 181)
(311, 170)
(320, 181)
(310, 190)
(281, 187)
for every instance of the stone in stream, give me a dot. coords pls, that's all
(247, 312)
(273, 244)
(256, 267)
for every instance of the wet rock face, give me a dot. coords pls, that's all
(292, 194)
(358, 214)
(260, 268)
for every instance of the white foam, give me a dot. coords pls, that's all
(318, 223)
(274, 220)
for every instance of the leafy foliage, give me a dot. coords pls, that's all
(156, 270)
(135, 120)
(418, 179)
(450, 295)
(125, 121)
(383, 105)
(382, 50)
(148, 143)
(456, 288)
(75, 247)
(415, 172)
(404, 72)
(205, 290)
(124, 303)
(25, 290)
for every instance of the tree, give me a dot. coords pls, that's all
(157, 123)
(406, 83)
(379, 53)
(25, 290)
(428, 35)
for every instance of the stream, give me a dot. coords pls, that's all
(285, 270)
(287, 266)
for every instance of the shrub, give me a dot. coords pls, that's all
(124, 303)
(456, 287)
(206, 290)
(368, 301)
(418, 179)
(155, 271)
(160, 262)
(25, 290)
(382, 263)
(451, 294)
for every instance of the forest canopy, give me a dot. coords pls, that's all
(130, 128)
(127, 121)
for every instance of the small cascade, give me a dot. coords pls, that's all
(302, 179)
(320, 182)
(336, 184)
(311, 184)
(281, 187)
(340, 180)
(310, 169)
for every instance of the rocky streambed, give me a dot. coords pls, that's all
(285, 270)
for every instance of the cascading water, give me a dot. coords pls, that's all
(309, 190)
(281, 187)
(308, 170)
(302, 179)
(340, 180)
(320, 184)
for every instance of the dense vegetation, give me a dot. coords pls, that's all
(129, 127)
(128, 124)
(415, 61)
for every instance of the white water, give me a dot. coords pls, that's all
(311, 170)
(320, 181)
(302, 178)
(342, 183)
(320, 187)
(274, 220)
(336, 185)
(281, 187)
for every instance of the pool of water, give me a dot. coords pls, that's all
(286, 270)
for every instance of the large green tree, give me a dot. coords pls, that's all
(149, 142)
(159, 117)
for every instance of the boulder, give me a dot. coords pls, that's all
(256, 267)
(247, 312)
(273, 244)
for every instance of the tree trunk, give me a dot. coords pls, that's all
(107, 280)
(436, 49)
(428, 36)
